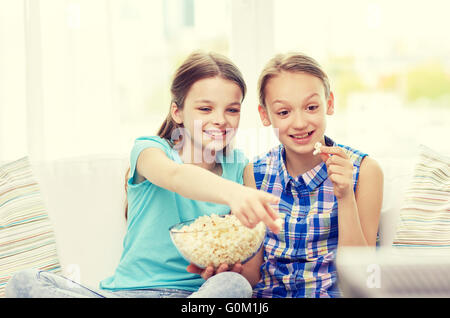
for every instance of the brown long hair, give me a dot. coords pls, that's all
(198, 65)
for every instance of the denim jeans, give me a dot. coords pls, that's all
(40, 284)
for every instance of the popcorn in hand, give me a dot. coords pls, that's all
(317, 147)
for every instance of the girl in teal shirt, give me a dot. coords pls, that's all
(189, 169)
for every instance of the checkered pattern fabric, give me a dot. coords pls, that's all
(299, 261)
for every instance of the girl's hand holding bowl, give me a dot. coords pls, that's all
(213, 244)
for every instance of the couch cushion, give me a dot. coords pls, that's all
(397, 174)
(425, 214)
(26, 233)
(85, 200)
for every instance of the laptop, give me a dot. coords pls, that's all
(391, 272)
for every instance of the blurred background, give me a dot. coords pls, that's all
(86, 77)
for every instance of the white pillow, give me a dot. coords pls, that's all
(397, 173)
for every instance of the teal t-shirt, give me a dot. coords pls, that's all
(149, 258)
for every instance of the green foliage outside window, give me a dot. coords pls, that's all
(429, 80)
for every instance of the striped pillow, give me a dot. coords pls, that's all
(26, 234)
(425, 214)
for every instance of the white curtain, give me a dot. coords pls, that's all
(12, 80)
(56, 87)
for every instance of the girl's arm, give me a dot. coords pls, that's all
(359, 211)
(251, 269)
(369, 198)
(249, 205)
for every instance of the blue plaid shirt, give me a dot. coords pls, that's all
(299, 261)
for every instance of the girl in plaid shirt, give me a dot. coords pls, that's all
(327, 201)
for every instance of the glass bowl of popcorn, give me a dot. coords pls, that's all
(217, 239)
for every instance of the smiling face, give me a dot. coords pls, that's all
(211, 113)
(296, 106)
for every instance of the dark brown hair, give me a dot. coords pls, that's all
(290, 62)
(198, 65)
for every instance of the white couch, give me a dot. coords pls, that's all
(85, 199)
(85, 202)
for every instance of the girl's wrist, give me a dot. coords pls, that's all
(229, 193)
(349, 197)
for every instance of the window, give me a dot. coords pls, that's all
(97, 73)
(81, 77)
(389, 64)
